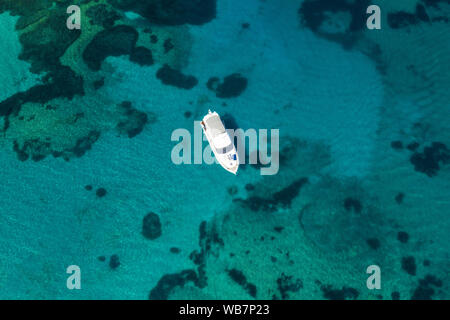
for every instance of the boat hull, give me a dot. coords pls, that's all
(229, 160)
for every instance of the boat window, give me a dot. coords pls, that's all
(226, 149)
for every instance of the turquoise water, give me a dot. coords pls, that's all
(364, 150)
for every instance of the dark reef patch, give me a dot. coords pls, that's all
(289, 193)
(142, 56)
(101, 192)
(82, 145)
(402, 19)
(232, 85)
(133, 120)
(116, 41)
(352, 204)
(209, 242)
(412, 146)
(435, 3)
(398, 145)
(38, 149)
(168, 282)
(61, 82)
(430, 160)
(35, 148)
(43, 46)
(172, 77)
(399, 197)
(282, 198)
(314, 14)
(232, 190)
(409, 265)
(339, 294)
(97, 84)
(168, 45)
(239, 277)
(278, 229)
(287, 284)
(174, 250)
(212, 83)
(425, 290)
(102, 15)
(346, 229)
(151, 226)
(249, 187)
(395, 295)
(174, 12)
(421, 13)
(402, 236)
(373, 243)
(114, 261)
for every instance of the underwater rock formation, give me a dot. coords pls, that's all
(401, 19)
(239, 277)
(175, 78)
(60, 82)
(425, 290)
(402, 236)
(430, 160)
(44, 44)
(209, 241)
(339, 294)
(232, 86)
(102, 15)
(349, 226)
(114, 261)
(336, 20)
(142, 56)
(132, 121)
(37, 149)
(116, 41)
(409, 265)
(151, 226)
(168, 45)
(428, 12)
(395, 295)
(399, 197)
(101, 192)
(373, 243)
(287, 284)
(281, 198)
(352, 204)
(168, 282)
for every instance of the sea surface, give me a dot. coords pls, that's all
(86, 150)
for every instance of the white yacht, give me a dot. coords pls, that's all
(220, 142)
